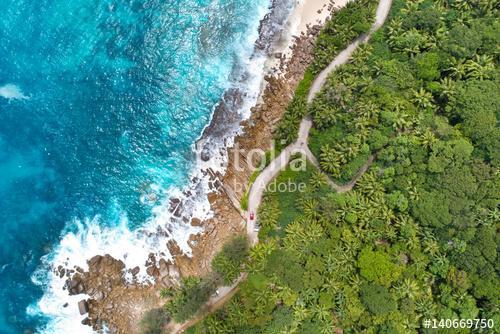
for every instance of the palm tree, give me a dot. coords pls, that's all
(488, 7)
(441, 4)
(464, 18)
(457, 69)
(364, 82)
(324, 116)
(488, 217)
(425, 307)
(411, 7)
(355, 282)
(318, 179)
(462, 5)
(300, 312)
(480, 68)
(235, 311)
(448, 88)
(428, 139)
(259, 253)
(390, 233)
(213, 325)
(441, 33)
(361, 54)
(386, 214)
(330, 160)
(368, 185)
(407, 288)
(430, 244)
(349, 151)
(327, 326)
(413, 42)
(321, 312)
(359, 232)
(411, 324)
(413, 192)
(310, 296)
(422, 98)
(310, 208)
(332, 284)
(367, 110)
(395, 29)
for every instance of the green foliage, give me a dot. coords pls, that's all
(428, 66)
(377, 266)
(286, 267)
(350, 22)
(253, 177)
(194, 292)
(475, 107)
(346, 25)
(154, 321)
(377, 299)
(244, 201)
(432, 209)
(417, 236)
(288, 127)
(228, 262)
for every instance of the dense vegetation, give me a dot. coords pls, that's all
(154, 321)
(417, 237)
(347, 24)
(194, 292)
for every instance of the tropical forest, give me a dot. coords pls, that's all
(416, 109)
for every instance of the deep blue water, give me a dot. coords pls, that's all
(111, 94)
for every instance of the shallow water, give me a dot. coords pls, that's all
(100, 104)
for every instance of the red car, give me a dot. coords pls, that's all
(252, 216)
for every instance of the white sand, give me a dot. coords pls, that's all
(306, 13)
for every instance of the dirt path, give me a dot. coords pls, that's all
(279, 163)
(214, 303)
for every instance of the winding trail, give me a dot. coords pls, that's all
(300, 145)
(215, 302)
(280, 162)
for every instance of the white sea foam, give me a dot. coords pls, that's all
(12, 92)
(252, 68)
(91, 238)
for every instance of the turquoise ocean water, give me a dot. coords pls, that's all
(100, 104)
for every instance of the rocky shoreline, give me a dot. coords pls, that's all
(118, 304)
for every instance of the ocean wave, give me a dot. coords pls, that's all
(132, 246)
(12, 92)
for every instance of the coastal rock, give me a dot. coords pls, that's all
(205, 154)
(196, 222)
(173, 273)
(174, 248)
(272, 25)
(75, 285)
(152, 271)
(135, 271)
(99, 295)
(83, 307)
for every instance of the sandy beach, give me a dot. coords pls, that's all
(306, 14)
